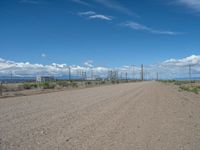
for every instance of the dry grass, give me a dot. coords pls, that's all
(30, 88)
(190, 86)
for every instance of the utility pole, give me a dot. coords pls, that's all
(117, 75)
(69, 72)
(190, 72)
(11, 76)
(85, 75)
(126, 76)
(82, 75)
(157, 76)
(147, 75)
(121, 76)
(133, 72)
(1, 89)
(92, 74)
(142, 72)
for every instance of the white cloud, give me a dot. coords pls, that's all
(191, 60)
(94, 15)
(25, 69)
(88, 63)
(29, 69)
(192, 4)
(103, 17)
(87, 13)
(137, 26)
(176, 68)
(168, 69)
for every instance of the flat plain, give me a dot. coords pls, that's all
(139, 116)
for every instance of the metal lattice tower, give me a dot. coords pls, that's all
(142, 72)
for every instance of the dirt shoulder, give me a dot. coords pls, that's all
(145, 115)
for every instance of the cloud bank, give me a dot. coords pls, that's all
(28, 69)
(168, 69)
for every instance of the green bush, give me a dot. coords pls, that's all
(190, 89)
(29, 85)
(48, 85)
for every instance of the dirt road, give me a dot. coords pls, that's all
(134, 116)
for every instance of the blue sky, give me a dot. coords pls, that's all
(109, 32)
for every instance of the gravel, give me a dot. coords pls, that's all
(133, 116)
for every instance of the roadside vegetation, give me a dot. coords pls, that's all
(190, 86)
(68, 84)
(27, 88)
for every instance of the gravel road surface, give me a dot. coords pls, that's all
(132, 116)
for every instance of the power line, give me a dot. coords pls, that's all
(133, 72)
(11, 75)
(157, 76)
(190, 72)
(142, 72)
(69, 72)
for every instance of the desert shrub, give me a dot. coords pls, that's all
(5, 88)
(183, 82)
(103, 82)
(74, 84)
(63, 83)
(20, 87)
(195, 90)
(88, 83)
(190, 89)
(168, 81)
(113, 82)
(48, 85)
(29, 85)
(176, 82)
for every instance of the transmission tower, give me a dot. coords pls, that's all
(157, 76)
(69, 73)
(142, 72)
(190, 72)
(133, 72)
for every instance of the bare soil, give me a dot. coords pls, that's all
(132, 116)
